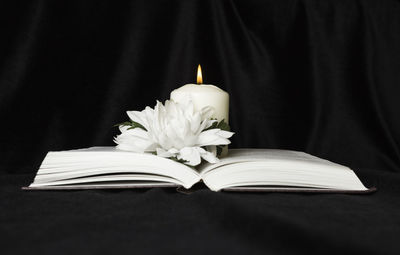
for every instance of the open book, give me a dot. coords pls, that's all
(242, 170)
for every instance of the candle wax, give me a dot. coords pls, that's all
(204, 95)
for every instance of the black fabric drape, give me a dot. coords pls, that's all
(317, 76)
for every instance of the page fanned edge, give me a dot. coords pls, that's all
(294, 190)
(102, 187)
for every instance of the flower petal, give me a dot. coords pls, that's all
(163, 153)
(134, 140)
(225, 134)
(210, 157)
(138, 117)
(214, 137)
(191, 155)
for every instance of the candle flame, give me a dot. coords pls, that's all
(199, 75)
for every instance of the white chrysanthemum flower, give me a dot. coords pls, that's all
(174, 130)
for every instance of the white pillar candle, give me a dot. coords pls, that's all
(203, 95)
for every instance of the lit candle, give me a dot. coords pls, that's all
(203, 95)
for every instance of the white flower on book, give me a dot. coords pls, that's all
(174, 131)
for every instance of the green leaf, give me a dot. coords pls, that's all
(214, 125)
(178, 160)
(126, 123)
(219, 150)
(221, 125)
(132, 124)
(136, 125)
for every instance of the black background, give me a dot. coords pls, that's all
(317, 76)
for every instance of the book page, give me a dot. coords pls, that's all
(69, 166)
(279, 168)
(106, 179)
(252, 155)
